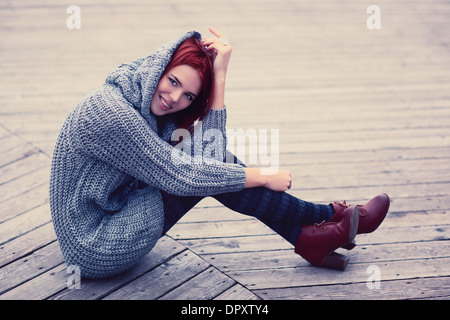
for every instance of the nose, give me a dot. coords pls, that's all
(175, 95)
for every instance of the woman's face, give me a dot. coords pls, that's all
(176, 90)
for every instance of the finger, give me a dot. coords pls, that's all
(216, 47)
(215, 32)
(211, 47)
(210, 41)
(207, 41)
(212, 52)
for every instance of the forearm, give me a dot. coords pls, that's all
(99, 129)
(218, 101)
(280, 181)
(254, 178)
(220, 53)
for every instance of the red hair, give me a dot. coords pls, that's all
(192, 53)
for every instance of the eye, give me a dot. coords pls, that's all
(189, 97)
(172, 81)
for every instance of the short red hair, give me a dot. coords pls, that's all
(192, 53)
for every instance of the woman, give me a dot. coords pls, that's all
(116, 188)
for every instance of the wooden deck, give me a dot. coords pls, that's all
(359, 111)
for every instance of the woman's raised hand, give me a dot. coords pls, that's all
(220, 50)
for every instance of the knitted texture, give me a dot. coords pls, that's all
(110, 162)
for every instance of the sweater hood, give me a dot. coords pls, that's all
(137, 80)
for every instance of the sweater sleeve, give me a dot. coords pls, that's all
(113, 132)
(210, 136)
(216, 119)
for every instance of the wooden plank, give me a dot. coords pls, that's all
(400, 213)
(40, 287)
(205, 286)
(32, 162)
(406, 234)
(368, 180)
(4, 134)
(378, 120)
(202, 213)
(420, 288)
(26, 243)
(261, 258)
(162, 279)
(25, 223)
(218, 229)
(246, 243)
(237, 292)
(369, 156)
(164, 250)
(24, 183)
(15, 153)
(221, 229)
(307, 276)
(53, 283)
(12, 144)
(24, 202)
(405, 198)
(381, 143)
(429, 166)
(434, 231)
(30, 266)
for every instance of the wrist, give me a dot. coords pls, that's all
(220, 77)
(254, 178)
(219, 92)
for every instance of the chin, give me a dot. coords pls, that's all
(156, 111)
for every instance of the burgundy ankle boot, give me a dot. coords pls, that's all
(318, 242)
(371, 214)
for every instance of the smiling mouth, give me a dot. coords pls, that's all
(164, 105)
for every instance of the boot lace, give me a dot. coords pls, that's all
(362, 210)
(319, 225)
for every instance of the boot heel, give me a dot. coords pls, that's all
(335, 261)
(350, 245)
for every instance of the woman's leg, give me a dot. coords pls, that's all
(282, 212)
(286, 215)
(175, 207)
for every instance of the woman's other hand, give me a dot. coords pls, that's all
(220, 50)
(280, 181)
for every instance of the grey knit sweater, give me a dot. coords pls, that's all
(110, 162)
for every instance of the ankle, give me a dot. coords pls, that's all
(331, 212)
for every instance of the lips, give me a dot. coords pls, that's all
(163, 104)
